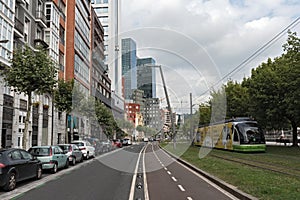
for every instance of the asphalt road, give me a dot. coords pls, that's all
(137, 172)
(168, 179)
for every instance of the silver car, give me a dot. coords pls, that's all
(73, 152)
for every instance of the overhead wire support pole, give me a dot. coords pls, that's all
(169, 105)
(168, 102)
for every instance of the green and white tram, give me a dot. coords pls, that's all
(240, 134)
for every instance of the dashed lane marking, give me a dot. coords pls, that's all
(174, 179)
(181, 188)
(169, 172)
(189, 198)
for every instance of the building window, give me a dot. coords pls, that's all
(62, 35)
(48, 14)
(100, 11)
(26, 29)
(38, 34)
(61, 61)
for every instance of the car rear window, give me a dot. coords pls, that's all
(40, 151)
(64, 147)
(80, 144)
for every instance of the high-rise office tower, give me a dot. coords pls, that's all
(129, 71)
(146, 78)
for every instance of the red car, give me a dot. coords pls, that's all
(117, 143)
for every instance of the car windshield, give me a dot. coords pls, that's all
(39, 151)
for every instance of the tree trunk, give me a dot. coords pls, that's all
(66, 130)
(295, 138)
(26, 132)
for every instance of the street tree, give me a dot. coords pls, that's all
(237, 98)
(63, 97)
(30, 71)
(105, 119)
(274, 88)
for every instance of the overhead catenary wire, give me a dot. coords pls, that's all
(256, 53)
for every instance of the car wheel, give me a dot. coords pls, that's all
(54, 169)
(87, 156)
(67, 164)
(73, 161)
(11, 182)
(39, 172)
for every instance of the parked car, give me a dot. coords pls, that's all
(52, 157)
(17, 165)
(73, 152)
(106, 145)
(117, 143)
(95, 142)
(126, 142)
(86, 148)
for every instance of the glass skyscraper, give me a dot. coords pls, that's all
(129, 71)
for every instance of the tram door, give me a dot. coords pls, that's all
(236, 137)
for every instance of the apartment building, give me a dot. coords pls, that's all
(67, 29)
(108, 12)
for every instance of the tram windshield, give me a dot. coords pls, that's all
(250, 133)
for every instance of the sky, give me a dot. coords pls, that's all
(198, 42)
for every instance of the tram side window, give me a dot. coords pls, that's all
(235, 136)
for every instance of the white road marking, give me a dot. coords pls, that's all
(189, 198)
(208, 181)
(165, 168)
(146, 194)
(169, 172)
(174, 179)
(131, 195)
(181, 188)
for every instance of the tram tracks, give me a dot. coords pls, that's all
(262, 165)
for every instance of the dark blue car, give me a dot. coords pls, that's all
(17, 165)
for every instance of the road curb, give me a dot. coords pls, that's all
(222, 184)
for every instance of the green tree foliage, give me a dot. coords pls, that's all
(218, 105)
(237, 99)
(205, 113)
(274, 89)
(125, 125)
(30, 71)
(63, 96)
(63, 100)
(106, 120)
(147, 130)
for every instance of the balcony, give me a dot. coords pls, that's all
(19, 28)
(40, 18)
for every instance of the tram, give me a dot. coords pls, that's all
(239, 134)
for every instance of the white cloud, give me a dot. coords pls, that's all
(207, 36)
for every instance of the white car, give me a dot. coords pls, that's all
(86, 148)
